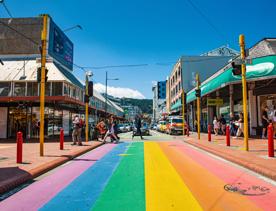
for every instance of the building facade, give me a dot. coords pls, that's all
(184, 72)
(227, 88)
(20, 90)
(159, 99)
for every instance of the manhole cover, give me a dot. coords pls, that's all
(253, 190)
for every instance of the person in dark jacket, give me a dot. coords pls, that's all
(138, 125)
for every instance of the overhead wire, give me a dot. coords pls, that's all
(7, 9)
(207, 20)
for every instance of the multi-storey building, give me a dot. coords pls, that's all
(159, 99)
(184, 71)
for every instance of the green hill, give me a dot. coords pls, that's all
(144, 104)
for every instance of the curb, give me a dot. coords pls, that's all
(253, 167)
(33, 173)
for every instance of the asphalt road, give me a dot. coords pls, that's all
(160, 173)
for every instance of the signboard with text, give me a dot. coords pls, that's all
(60, 46)
(214, 102)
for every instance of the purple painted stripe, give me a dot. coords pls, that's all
(40, 192)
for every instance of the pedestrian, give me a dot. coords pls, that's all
(138, 125)
(223, 124)
(111, 132)
(76, 130)
(240, 124)
(265, 122)
(216, 125)
(233, 127)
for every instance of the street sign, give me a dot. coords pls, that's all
(214, 102)
(240, 61)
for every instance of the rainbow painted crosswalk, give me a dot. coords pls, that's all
(151, 176)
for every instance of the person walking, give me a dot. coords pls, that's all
(76, 127)
(240, 124)
(223, 124)
(111, 132)
(138, 125)
(265, 122)
(216, 125)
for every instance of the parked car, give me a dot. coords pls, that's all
(175, 125)
(122, 128)
(127, 126)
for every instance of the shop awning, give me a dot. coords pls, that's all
(176, 105)
(261, 68)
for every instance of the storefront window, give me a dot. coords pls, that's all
(5, 89)
(65, 89)
(48, 89)
(19, 88)
(32, 89)
(57, 88)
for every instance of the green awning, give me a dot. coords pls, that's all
(263, 67)
(176, 105)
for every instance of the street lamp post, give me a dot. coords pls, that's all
(107, 79)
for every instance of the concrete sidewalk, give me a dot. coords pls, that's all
(13, 174)
(256, 159)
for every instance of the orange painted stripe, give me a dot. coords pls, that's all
(206, 187)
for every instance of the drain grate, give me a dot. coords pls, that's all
(3, 158)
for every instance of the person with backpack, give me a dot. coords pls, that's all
(81, 125)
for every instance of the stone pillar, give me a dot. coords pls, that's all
(217, 106)
(231, 98)
(252, 109)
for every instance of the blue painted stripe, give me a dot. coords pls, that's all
(82, 193)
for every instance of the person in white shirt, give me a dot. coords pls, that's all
(216, 125)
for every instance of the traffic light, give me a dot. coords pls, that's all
(38, 75)
(185, 97)
(236, 69)
(197, 92)
(86, 98)
(90, 88)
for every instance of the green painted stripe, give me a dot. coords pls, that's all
(126, 188)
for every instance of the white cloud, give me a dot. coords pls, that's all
(119, 91)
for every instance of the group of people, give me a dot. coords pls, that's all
(108, 129)
(236, 125)
(219, 125)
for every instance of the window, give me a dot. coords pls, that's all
(57, 88)
(65, 89)
(19, 88)
(5, 89)
(32, 89)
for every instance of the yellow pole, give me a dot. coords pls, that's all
(198, 108)
(42, 83)
(244, 91)
(183, 111)
(86, 110)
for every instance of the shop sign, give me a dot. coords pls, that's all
(214, 102)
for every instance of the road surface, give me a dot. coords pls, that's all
(160, 173)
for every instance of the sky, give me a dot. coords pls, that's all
(150, 32)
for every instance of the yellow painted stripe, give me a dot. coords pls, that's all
(165, 190)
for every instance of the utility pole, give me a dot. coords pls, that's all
(42, 83)
(244, 91)
(183, 110)
(198, 105)
(86, 108)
